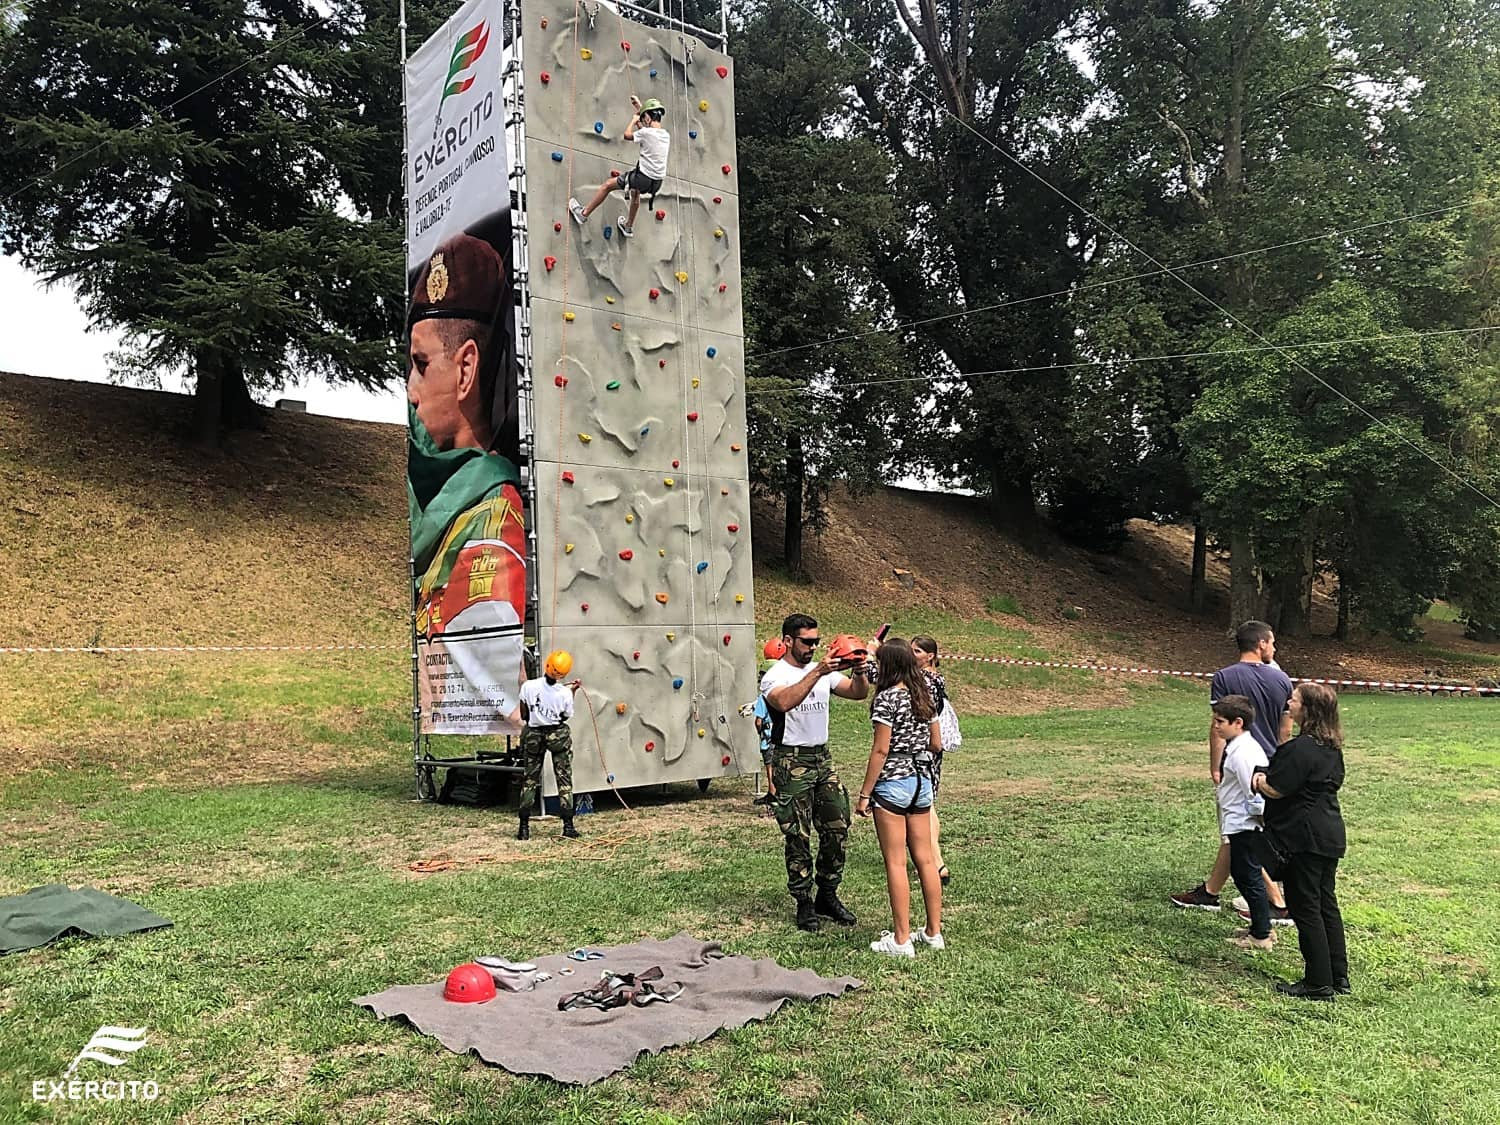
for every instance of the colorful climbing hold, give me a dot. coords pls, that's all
(560, 381)
(681, 276)
(614, 173)
(722, 287)
(718, 232)
(668, 481)
(567, 548)
(724, 761)
(727, 639)
(569, 317)
(692, 134)
(723, 492)
(550, 262)
(734, 448)
(702, 567)
(703, 106)
(544, 23)
(584, 607)
(557, 158)
(676, 464)
(636, 655)
(609, 300)
(654, 293)
(712, 352)
(567, 478)
(546, 78)
(615, 326)
(718, 199)
(621, 708)
(626, 556)
(585, 438)
(696, 382)
(630, 517)
(660, 215)
(671, 636)
(625, 45)
(585, 54)
(692, 416)
(609, 232)
(725, 169)
(739, 599)
(610, 778)
(733, 528)
(662, 598)
(598, 126)
(645, 430)
(557, 226)
(650, 746)
(612, 385)
(661, 363)
(662, 551)
(722, 71)
(653, 72)
(702, 732)
(677, 684)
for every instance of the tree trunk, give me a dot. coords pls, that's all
(796, 474)
(1198, 584)
(222, 402)
(1289, 611)
(1013, 507)
(1341, 630)
(1246, 600)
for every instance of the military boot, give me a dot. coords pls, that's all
(524, 831)
(828, 904)
(807, 917)
(569, 831)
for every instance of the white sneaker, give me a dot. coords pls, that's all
(1239, 905)
(628, 232)
(576, 210)
(891, 947)
(932, 941)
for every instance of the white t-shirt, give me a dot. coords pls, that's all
(548, 705)
(1240, 807)
(807, 723)
(654, 144)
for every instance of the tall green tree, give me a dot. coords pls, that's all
(179, 164)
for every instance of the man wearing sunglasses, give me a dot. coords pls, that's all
(808, 793)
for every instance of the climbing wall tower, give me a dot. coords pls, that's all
(636, 409)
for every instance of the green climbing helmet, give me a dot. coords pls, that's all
(652, 105)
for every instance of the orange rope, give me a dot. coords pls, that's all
(599, 746)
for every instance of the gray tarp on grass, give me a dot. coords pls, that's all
(47, 913)
(526, 1034)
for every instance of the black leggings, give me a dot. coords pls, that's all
(1314, 906)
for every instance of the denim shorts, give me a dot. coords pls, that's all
(896, 795)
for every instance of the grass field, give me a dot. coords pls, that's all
(265, 806)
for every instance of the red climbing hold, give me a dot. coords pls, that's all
(655, 293)
(733, 528)
(567, 478)
(676, 464)
(636, 655)
(718, 199)
(627, 555)
(614, 173)
(557, 226)
(660, 215)
(722, 287)
(549, 261)
(661, 363)
(725, 169)
(546, 77)
(727, 639)
(544, 23)
(625, 45)
(693, 416)
(561, 381)
(722, 71)
(650, 746)
(724, 761)
(584, 607)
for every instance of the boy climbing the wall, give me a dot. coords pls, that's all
(645, 178)
(546, 707)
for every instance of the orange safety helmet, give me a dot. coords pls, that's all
(775, 649)
(469, 984)
(848, 650)
(559, 664)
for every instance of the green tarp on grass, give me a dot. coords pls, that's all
(45, 914)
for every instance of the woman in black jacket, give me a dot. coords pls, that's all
(1303, 824)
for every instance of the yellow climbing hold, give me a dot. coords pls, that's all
(682, 277)
(567, 548)
(695, 384)
(630, 517)
(702, 733)
(662, 551)
(671, 636)
(718, 232)
(739, 599)
(662, 598)
(609, 300)
(568, 316)
(703, 105)
(585, 438)
(585, 54)
(668, 481)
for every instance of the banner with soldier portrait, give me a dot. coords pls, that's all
(468, 537)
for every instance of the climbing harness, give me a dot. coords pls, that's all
(616, 990)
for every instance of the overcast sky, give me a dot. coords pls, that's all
(47, 334)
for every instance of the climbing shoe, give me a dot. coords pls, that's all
(807, 917)
(524, 831)
(569, 831)
(576, 210)
(625, 228)
(828, 904)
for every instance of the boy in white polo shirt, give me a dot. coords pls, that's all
(650, 170)
(1241, 814)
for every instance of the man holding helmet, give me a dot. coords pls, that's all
(546, 707)
(808, 793)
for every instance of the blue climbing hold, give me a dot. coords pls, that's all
(557, 156)
(693, 134)
(653, 72)
(712, 352)
(610, 778)
(702, 567)
(609, 232)
(598, 126)
(677, 684)
(645, 430)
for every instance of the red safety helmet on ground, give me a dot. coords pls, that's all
(848, 650)
(775, 649)
(469, 984)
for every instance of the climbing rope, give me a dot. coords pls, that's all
(609, 778)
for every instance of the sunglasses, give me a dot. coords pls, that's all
(810, 642)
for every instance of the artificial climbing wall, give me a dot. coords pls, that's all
(642, 495)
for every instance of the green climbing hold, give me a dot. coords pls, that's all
(612, 385)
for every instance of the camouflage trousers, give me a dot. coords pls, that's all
(809, 797)
(535, 745)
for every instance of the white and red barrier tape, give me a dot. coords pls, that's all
(1379, 685)
(1012, 661)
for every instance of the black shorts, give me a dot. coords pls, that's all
(636, 180)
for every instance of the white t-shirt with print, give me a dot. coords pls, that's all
(655, 143)
(807, 723)
(548, 705)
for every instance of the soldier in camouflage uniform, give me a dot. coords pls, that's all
(809, 796)
(546, 707)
